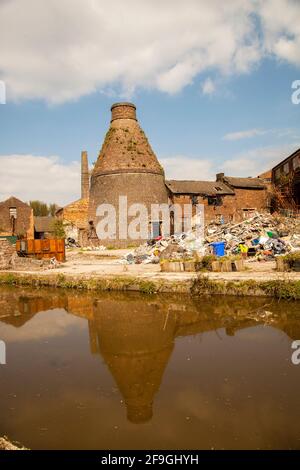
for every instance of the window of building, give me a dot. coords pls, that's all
(156, 229)
(296, 163)
(286, 168)
(214, 201)
(194, 199)
(277, 174)
(13, 212)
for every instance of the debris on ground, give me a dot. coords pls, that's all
(262, 237)
(94, 248)
(5, 444)
(24, 263)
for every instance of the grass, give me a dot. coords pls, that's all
(280, 288)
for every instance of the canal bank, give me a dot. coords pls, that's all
(277, 285)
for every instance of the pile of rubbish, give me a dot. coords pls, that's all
(261, 237)
(174, 247)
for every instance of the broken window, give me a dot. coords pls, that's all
(194, 200)
(12, 212)
(277, 174)
(296, 163)
(214, 201)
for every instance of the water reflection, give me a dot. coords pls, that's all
(135, 335)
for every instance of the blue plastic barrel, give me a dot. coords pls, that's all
(218, 248)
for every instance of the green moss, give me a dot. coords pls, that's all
(279, 289)
(147, 287)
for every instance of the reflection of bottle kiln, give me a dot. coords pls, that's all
(136, 346)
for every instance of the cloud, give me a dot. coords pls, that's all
(208, 87)
(62, 50)
(256, 161)
(244, 134)
(185, 168)
(31, 177)
(43, 326)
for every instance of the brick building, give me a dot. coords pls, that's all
(127, 166)
(286, 183)
(227, 198)
(16, 218)
(75, 214)
(43, 227)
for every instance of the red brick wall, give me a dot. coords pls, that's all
(232, 207)
(24, 224)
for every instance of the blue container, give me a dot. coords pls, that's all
(218, 248)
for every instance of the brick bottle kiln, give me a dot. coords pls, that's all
(126, 166)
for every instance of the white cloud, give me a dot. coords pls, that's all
(31, 177)
(244, 134)
(208, 87)
(64, 49)
(258, 160)
(185, 168)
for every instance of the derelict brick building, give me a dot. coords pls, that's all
(126, 166)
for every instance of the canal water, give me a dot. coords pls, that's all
(130, 371)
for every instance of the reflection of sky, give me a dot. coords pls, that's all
(43, 325)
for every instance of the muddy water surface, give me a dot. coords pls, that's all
(129, 371)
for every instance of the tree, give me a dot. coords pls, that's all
(41, 209)
(52, 209)
(58, 229)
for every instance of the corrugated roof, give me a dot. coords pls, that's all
(208, 188)
(247, 183)
(43, 224)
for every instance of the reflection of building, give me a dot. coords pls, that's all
(136, 344)
(135, 336)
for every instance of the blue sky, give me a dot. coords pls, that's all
(233, 115)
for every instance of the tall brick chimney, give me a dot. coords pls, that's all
(85, 179)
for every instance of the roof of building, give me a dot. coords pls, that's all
(209, 188)
(297, 152)
(13, 201)
(43, 224)
(126, 147)
(267, 175)
(245, 183)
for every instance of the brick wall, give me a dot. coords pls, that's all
(6, 253)
(233, 206)
(24, 224)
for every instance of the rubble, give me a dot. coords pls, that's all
(262, 237)
(7, 251)
(5, 444)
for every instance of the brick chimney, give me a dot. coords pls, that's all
(85, 179)
(123, 111)
(220, 177)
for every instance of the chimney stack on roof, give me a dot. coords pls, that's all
(85, 179)
(220, 177)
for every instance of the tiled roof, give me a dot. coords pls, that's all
(209, 188)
